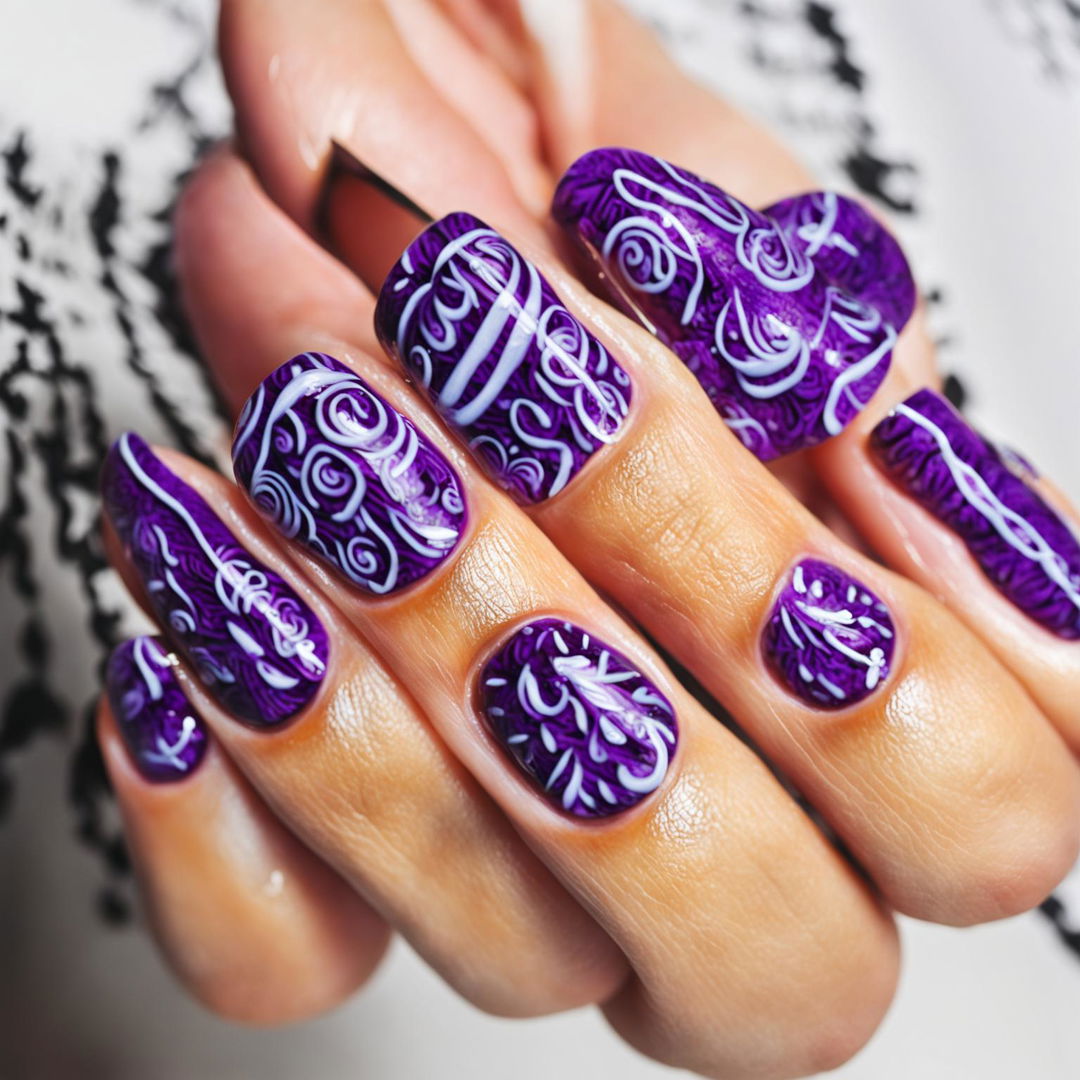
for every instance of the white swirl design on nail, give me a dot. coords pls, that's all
(553, 385)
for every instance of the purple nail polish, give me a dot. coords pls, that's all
(530, 390)
(586, 726)
(852, 249)
(829, 639)
(786, 356)
(165, 736)
(336, 467)
(260, 650)
(1023, 546)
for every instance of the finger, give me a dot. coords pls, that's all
(643, 527)
(253, 924)
(1021, 597)
(337, 747)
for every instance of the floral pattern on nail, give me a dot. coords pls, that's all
(786, 355)
(258, 647)
(509, 368)
(590, 730)
(165, 736)
(1024, 547)
(337, 468)
(829, 639)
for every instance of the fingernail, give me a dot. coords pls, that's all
(829, 639)
(1024, 547)
(589, 729)
(260, 650)
(852, 249)
(530, 390)
(165, 736)
(786, 356)
(337, 468)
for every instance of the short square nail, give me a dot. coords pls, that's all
(258, 647)
(165, 736)
(589, 729)
(786, 355)
(529, 389)
(337, 468)
(1025, 548)
(829, 640)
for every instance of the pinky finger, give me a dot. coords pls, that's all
(252, 923)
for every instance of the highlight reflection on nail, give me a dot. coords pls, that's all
(509, 368)
(1024, 547)
(786, 353)
(590, 730)
(829, 639)
(164, 735)
(260, 650)
(336, 467)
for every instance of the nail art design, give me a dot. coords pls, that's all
(533, 393)
(1022, 545)
(787, 356)
(852, 249)
(829, 639)
(165, 736)
(335, 466)
(585, 725)
(260, 650)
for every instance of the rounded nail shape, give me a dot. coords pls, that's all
(253, 641)
(336, 467)
(829, 639)
(787, 356)
(165, 736)
(589, 729)
(510, 369)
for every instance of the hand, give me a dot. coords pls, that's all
(400, 702)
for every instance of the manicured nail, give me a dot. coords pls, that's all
(852, 249)
(339, 469)
(260, 650)
(1024, 547)
(829, 639)
(165, 736)
(530, 390)
(786, 356)
(579, 719)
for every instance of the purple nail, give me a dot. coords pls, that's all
(260, 650)
(787, 356)
(530, 390)
(1023, 546)
(336, 467)
(829, 639)
(852, 249)
(165, 736)
(584, 724)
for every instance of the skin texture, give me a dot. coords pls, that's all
(714, 923)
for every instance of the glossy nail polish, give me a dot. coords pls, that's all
(786, 355)
(530, 390)
(852, 249)
(829, 639)
(165, 736)
(337, 468)
(589, 729)
(260, 650)
(1021, 543)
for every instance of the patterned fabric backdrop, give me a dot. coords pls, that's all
(104, 107)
